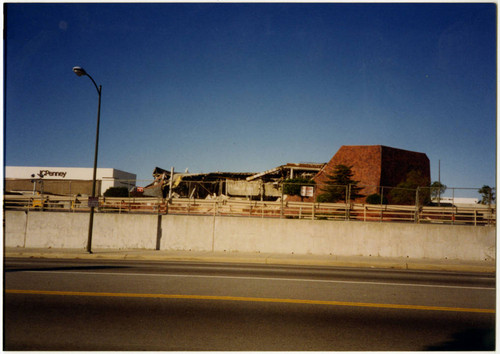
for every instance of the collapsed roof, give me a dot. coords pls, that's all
(290, 170)
(249, 184)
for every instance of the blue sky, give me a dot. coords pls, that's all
(246, 87)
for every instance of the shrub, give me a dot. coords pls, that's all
(119, 192)
(293, 186)
(405, 192)
(375, 199)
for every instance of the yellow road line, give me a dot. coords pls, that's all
(250, 299)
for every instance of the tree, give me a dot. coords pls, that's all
(406, 191)
(338, 185)
(437, 189)
(119, 192)
(488, 195)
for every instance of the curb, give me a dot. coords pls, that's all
(262, 259)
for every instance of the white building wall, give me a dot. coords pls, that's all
(110, 177)
(457, 201)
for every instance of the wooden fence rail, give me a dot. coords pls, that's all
(455, 215)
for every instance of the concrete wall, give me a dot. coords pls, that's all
(70, 230)
(181, 232)
(55, 230)
(123, 231)
(15, 225)
(335, 237)
(208, 233)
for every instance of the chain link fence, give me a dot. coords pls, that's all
(272, 199)
(258, 190)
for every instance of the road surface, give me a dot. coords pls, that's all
(120, 305)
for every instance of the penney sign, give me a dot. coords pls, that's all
(66, 173)
(49, 173)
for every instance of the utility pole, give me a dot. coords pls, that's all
(439, 181)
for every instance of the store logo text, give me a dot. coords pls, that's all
(44, 173)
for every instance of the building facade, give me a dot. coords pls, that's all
(376, 165)
(64, 180)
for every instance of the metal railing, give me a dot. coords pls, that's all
(220, 206)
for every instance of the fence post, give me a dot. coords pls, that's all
(416, 205)
(282, 196)
(490, 210)
(349, 203)
(381, 204)
(346, 211)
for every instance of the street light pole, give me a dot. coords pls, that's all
(81, 72)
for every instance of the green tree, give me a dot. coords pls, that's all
(118, 192)
(338, 185)
(437, 189)
(405, 192)
(488, 195)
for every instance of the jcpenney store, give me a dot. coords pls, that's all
(64, 180)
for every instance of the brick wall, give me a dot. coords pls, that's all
(375, 165)
(60, 187)
(366, 164)
(397, 163)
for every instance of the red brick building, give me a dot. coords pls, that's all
(375, 165)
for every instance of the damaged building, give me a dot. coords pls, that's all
(246, 185)
(188, 185)
(373, 166)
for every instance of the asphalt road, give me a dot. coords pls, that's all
(119, 305)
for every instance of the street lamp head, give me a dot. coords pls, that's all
(79, 71)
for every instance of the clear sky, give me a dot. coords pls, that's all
(245, 87)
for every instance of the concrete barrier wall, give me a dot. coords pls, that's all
(182, 232)
(70, 230)
(208, 233)
(355, 238)
(56, 230)
(124, 231)
(15, 228)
